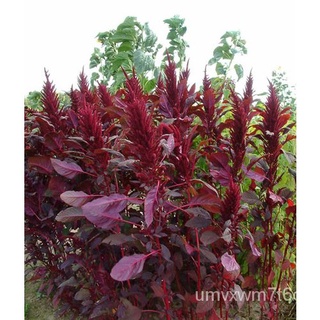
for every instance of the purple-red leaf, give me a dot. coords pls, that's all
(209, 201)
(131, 312)
(275, 198)
(239, 296)
(104, 212)
(208, 237)
(42, 163)
(231, 266)
(209, 255)
(198, 222)
(150, 204)
(256, 174)
(254, 249)
(70, 214)
(117, 239)
(168, 145)
(128, 267)
(66, 169)
(220, 169)
(250, 197)
(229, 262)
(82, 294)
(204, 306)
(75, 198)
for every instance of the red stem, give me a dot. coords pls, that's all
(198, 261)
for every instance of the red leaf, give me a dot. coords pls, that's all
(231, 266)
(117, 239)
(220, 160)
(45, 125)
(209, 201)
(150, 203)
(221, 170)
(250, 197)
(198, 222)
(285, 265)
(256, 174)
(291, 209)
(270, 278)
(204, 306)
(157, 289)
(290, 203)
(104, 212)
(208, 237)
(43, 164)
(275, 198)
(278, 256)
(131, 312)
(66, 169)
(70, 214)
(254, 249)
(75, 198)
(209, 255)
(249, 282)
(54, 140)
(214, 315)
(56, 186)
(168, 145)
(229, 262)
(239, 294)
(128, 267)
(82, 294)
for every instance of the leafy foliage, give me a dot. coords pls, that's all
(137, 200)
(135, 44)
(224, 54)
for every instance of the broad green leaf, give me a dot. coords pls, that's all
(217, 54)
(239, 70)
(220, 69)
(142, 62)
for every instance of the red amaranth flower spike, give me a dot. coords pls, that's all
(141, 131)
(51, 103)
(248, 94)
(83, 85)
(90, 125)
(238, 132)
(210, 112)
(273, 122)
(231, 202)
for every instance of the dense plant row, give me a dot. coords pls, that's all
(136, 202)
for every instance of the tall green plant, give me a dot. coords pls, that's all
(135, 44)
(231, 44)
(132, 43)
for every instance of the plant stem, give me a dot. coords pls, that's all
(198, 261)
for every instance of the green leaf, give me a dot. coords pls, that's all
(220, 69)
(94, 61)
(217, 55)
(142, 62)
(239, 70)
(126, 47)
(172, 35)
(150, 40)
(174, 22)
